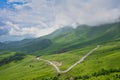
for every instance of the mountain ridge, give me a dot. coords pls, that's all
(66, 38)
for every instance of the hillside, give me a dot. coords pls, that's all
(59, 39)
(66, 38)
(102, 64)
(72, 52)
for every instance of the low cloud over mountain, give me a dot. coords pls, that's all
(34, 18)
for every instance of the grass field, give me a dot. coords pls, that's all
(106, 57)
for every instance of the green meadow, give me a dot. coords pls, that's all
(105, 58)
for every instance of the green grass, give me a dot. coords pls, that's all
(68, 58)
(106, 57)
(22, 70)
(6, 54)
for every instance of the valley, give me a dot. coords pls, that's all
(91, 55)
(81, 60)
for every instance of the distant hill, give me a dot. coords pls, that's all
(67, 38)
(27, 45)
(64, 48)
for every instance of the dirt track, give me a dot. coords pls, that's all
(78, 62)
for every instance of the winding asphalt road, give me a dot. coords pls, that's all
(81, 60)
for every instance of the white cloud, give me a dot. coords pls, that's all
(16, 30)
(66, 12)
(91, 11)
(40, 17)
(19, 7)
(11, 1)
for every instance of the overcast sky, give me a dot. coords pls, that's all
(21, 19)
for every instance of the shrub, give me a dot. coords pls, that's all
(15, 57)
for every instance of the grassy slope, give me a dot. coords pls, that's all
(107, 56)
(6, 54)
(22, 70)
(66, 39)
(83, 36)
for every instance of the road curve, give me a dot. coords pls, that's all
(81, 60)
(52, 64)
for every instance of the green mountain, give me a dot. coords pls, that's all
(67, 38)
(102, 64)
(66, 54)
(83, 36)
